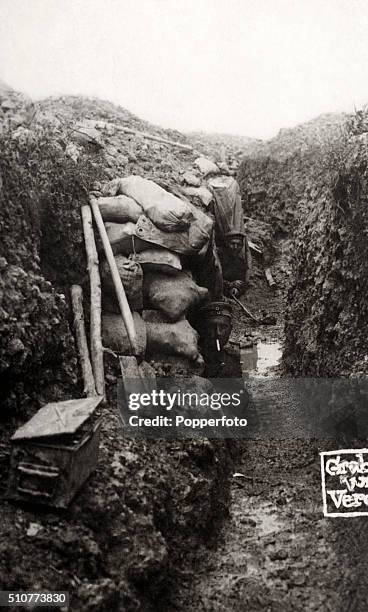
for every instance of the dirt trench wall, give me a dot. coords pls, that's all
(274, 188)
(327, 318)
(40, 241)
(277, 176)
(311, 187)
(266, 193)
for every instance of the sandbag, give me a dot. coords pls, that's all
(119, 209)
(189, 242)
(191, 179)
(202, 193)
(200, 229)
(206, 166)
(165, 210)
(123, 239)
(114, 335)
(170, 338)
(158, 260)
(173, 296)
(111, 188)
(131, 275)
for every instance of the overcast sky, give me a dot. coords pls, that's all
(239, 66)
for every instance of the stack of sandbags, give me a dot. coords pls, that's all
(141, 215)
(168, 299)
(149, 230)
(165, 210)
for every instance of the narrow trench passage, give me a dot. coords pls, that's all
(276, 550)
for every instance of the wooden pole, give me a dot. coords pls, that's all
(148, 136)
(119, 288)
(95, 284)
(126, 130)
(80, 332)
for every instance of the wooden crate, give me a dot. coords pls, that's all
(54, 453)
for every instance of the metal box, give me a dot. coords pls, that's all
(54, 452)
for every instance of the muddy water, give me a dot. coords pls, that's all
(276, 551)
(261, 359)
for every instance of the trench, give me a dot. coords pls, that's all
(148, 502)
(275, 550)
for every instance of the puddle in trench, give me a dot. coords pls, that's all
(260, 358)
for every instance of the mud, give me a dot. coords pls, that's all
(276, 551)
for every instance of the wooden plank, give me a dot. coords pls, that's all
(82, 345)
(95, 285)
(148, 136)
(136, 378)
(129, 367)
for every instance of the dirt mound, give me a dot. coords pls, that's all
(95, 128)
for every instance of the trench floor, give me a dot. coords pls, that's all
(276, 551)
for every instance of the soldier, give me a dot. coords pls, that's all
(235, 261)
(231, 241)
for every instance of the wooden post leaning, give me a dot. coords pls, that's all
(95, 284)
(82, 345)
(119, 288)
(148, 136)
